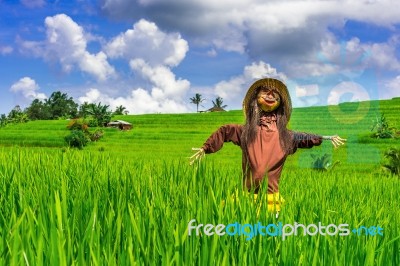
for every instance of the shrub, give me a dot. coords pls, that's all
(382, 128)
(95, 136)
(393, 166)
(78, 124)
(93, 123)
(323, 163)
(77, 139)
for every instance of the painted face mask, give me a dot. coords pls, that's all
(268, 100)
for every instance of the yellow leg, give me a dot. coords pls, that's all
(274, 201)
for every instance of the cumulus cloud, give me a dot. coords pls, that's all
(347, 58)
(384, 55)
(147, 42)
(354, 54)
(237, 86)
(91, 96)
(139, 101)
(164, 93)
(151, 55)
(163, 80)
(28, 89)
(66, 44)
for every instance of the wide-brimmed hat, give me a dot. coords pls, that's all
(273, 84)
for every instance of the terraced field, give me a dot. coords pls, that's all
(128, 199)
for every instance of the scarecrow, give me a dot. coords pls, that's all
(264, 138)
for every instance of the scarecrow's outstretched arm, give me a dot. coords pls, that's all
(336, 140)
(226, 133)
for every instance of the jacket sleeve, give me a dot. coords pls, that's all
(227, 133)
(305, 140)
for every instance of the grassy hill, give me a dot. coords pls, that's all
(171, 136)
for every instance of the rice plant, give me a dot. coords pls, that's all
(70, 207)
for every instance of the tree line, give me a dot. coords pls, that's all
(60, 106)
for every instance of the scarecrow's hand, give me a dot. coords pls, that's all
(336, 140)
(197, 156)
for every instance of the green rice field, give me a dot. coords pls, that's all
(128, 198)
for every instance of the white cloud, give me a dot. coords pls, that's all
(164, 94)
(354, 54)
(5, 50)
(66, 44)
(307, 90)
(140, 101)
(237, 86)
(391, 88)
(384, 55)
(305, 95)
(28, 88)
(33, 3)
(151, 53)
(348, 58)
(147, 42)
(162, 79)
(91, 96)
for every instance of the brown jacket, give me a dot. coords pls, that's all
(265, 156)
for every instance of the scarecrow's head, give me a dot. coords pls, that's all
(268, 95)
(268, 99)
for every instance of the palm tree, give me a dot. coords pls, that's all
(84, 109)
(197, 99)
(218, 103)
(120, 110)
(17, 115)
(100, 113)
(3, 120)
(61, 105)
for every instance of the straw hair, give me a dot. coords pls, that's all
(272, 84)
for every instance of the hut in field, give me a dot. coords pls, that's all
(216, 109)
(122, 125)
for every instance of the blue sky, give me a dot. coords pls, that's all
(151, 56)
